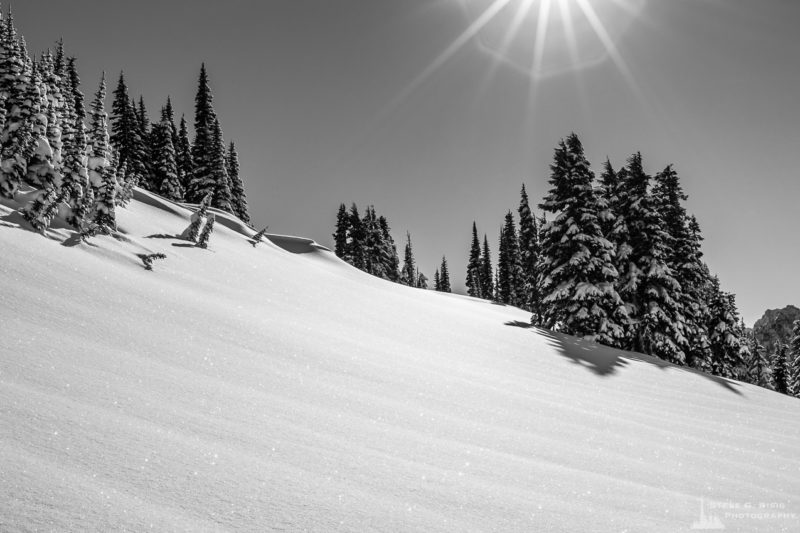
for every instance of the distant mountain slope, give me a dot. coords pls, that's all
(257, 389)
(776, 325)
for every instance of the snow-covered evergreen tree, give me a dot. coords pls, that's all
(793, 362)
(578, 274)
(474, 265)
(126, 137)
(204, 150)
(422, 280)
(202, 242)
(99, 150)
(164, 164)
(529, 252)
(389, 251)
(725, 344)
(407, 273)
(341, 232)
(76, 176)
(238, 196)
(183, 155)
(219, 173)
(198, 217)
(647, 284)
(487, 277)
(509, 272)
(780, 370)
(437, 281)
(355, 253)
(444, 277)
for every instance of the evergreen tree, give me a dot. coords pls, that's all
(780, 369)
(389, 251)
(793, 362)
(126, 137)
(238, 197)
(529, 251)
(74, 84)
(422, 280)
(486, 277)
(205, 175)
(725, 344)
(578, 275)
(474, 265)
(202, 242)
(341, 233)
(407, 272)
(183, 155)
(444, 277)
(258, 236)
(219, 173)
(16, 132)
(198, 217)
(647, 284)
(509, 288)
(165, 167)
(437, 283)
(355, 254)
(104, 211)
(757, 365)
(99, 152)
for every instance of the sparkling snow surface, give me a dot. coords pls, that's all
(269, 388)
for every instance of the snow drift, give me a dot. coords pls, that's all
(273, 387)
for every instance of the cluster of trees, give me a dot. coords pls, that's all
(51, 143)
(620, 262)
(778, 369)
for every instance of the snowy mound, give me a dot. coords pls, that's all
(273, 387)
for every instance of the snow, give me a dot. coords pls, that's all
(276, 388)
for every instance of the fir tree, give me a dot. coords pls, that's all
(474, 265)
(165, 167)
(437, 283)
(409, 268)
(104, 213)
(486, 277)
(780, 369)
(198, 217)
(422, 280)
(183, 155)
(757, 364)
(389, 251)
(793, 362)
(355, 254)
(76, 176)
(99, 153)
(444, 277)
(509, 288)
(342, 232)
(126, 137)
(219, 173)
(238, 197)
(529, 251)
(578, 274)
(203, 149)
(202, 242)
(16, 132)
(647, 284)
(725, 345)
(74, 83)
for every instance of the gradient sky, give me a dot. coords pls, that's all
(335, 101)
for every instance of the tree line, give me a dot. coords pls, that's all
(58, 158)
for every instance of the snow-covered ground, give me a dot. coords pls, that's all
(277, 388)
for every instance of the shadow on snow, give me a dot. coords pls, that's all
(606, 361)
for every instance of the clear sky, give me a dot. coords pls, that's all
(426, 109)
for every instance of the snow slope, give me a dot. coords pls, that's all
(277, 388)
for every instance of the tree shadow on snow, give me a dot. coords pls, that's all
(605, 361)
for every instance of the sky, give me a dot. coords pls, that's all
(437, 111)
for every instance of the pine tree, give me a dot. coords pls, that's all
(793, 362)
(487, 277)
(780, 369)
(165, 167)
(104, 208)
(342, 231)
(204, 175)
(409, 268)
(757, 364)
(183, 155)
(16, 132)
(74, 83)
(202, 242)
(725, 345)
(126, 137)
(76, 176)
(198, 217)
(422, 280)
(99, 153)
(437, 281)
(509, 289)
(444, 277)
(578, 275)
(238, 196)
(529, 251)
(389, 251)
(219, 173)
(474, 265)
(355, 254)
(647, 284)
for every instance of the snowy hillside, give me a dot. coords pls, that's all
(277, 388)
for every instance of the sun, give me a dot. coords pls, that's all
(545, 38)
